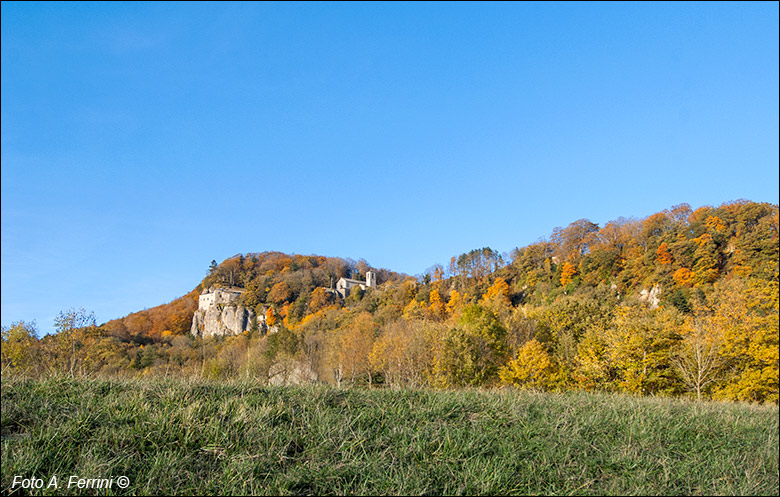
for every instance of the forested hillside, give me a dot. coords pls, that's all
(683, 302)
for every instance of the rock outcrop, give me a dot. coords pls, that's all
(651, 296)
(219, 313)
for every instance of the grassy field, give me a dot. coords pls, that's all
(183, 437)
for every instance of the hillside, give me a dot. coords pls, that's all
(683, 302)
(271, 278)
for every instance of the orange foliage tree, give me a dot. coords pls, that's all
(664, 257)
(683, 276)
(567, 273)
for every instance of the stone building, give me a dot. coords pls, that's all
(344, 285)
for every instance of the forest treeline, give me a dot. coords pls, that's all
(683, 302)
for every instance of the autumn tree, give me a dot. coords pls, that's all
(283, 348)
(754, 247)
(595, 368)
(404, 352)
(270, 317)
(560, 326)
(355, 343)
(567, 273)
(438, 273)
(697, 357)
(436, 309)
(415, 309)
(230, 360)
(684, 277)
(228, 273)
(640, 344)
(280, 293)
(533, 367)
(474, 349)
(355, 296)
(655, 227)
(317, 338)
(456, 302)
(497, 296)
(663, 255)
(20, 347)
(705, 269)
(574, 240)
(70, 326)
(320, 298)
(476, 264)
(746, 313)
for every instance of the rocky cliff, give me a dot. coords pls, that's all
(219, 313)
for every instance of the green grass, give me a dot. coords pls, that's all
(182, 437)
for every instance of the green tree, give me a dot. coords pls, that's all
(474, 349)
(354, 297)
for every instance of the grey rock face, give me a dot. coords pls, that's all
(220, 314)
(652, 296)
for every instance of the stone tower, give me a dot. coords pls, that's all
(370, 279)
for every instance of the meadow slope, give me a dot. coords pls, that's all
(200, 437)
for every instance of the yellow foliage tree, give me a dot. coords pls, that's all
(532, 368)
(567, 273)
(746, 314)
(593, 368)
(415, 310)
(436, 309)
(497, 294)
(404, 353)
(456, 302)
(705, 270)
(639, 346)
(355, 343)
(716, 224)
(20, 347)
(472, 351)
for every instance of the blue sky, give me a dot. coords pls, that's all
(142, 140)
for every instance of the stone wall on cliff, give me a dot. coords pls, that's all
(219, 313)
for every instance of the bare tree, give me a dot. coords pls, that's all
(67, 323)
(698, 360)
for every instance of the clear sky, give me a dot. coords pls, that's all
(142, 140)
